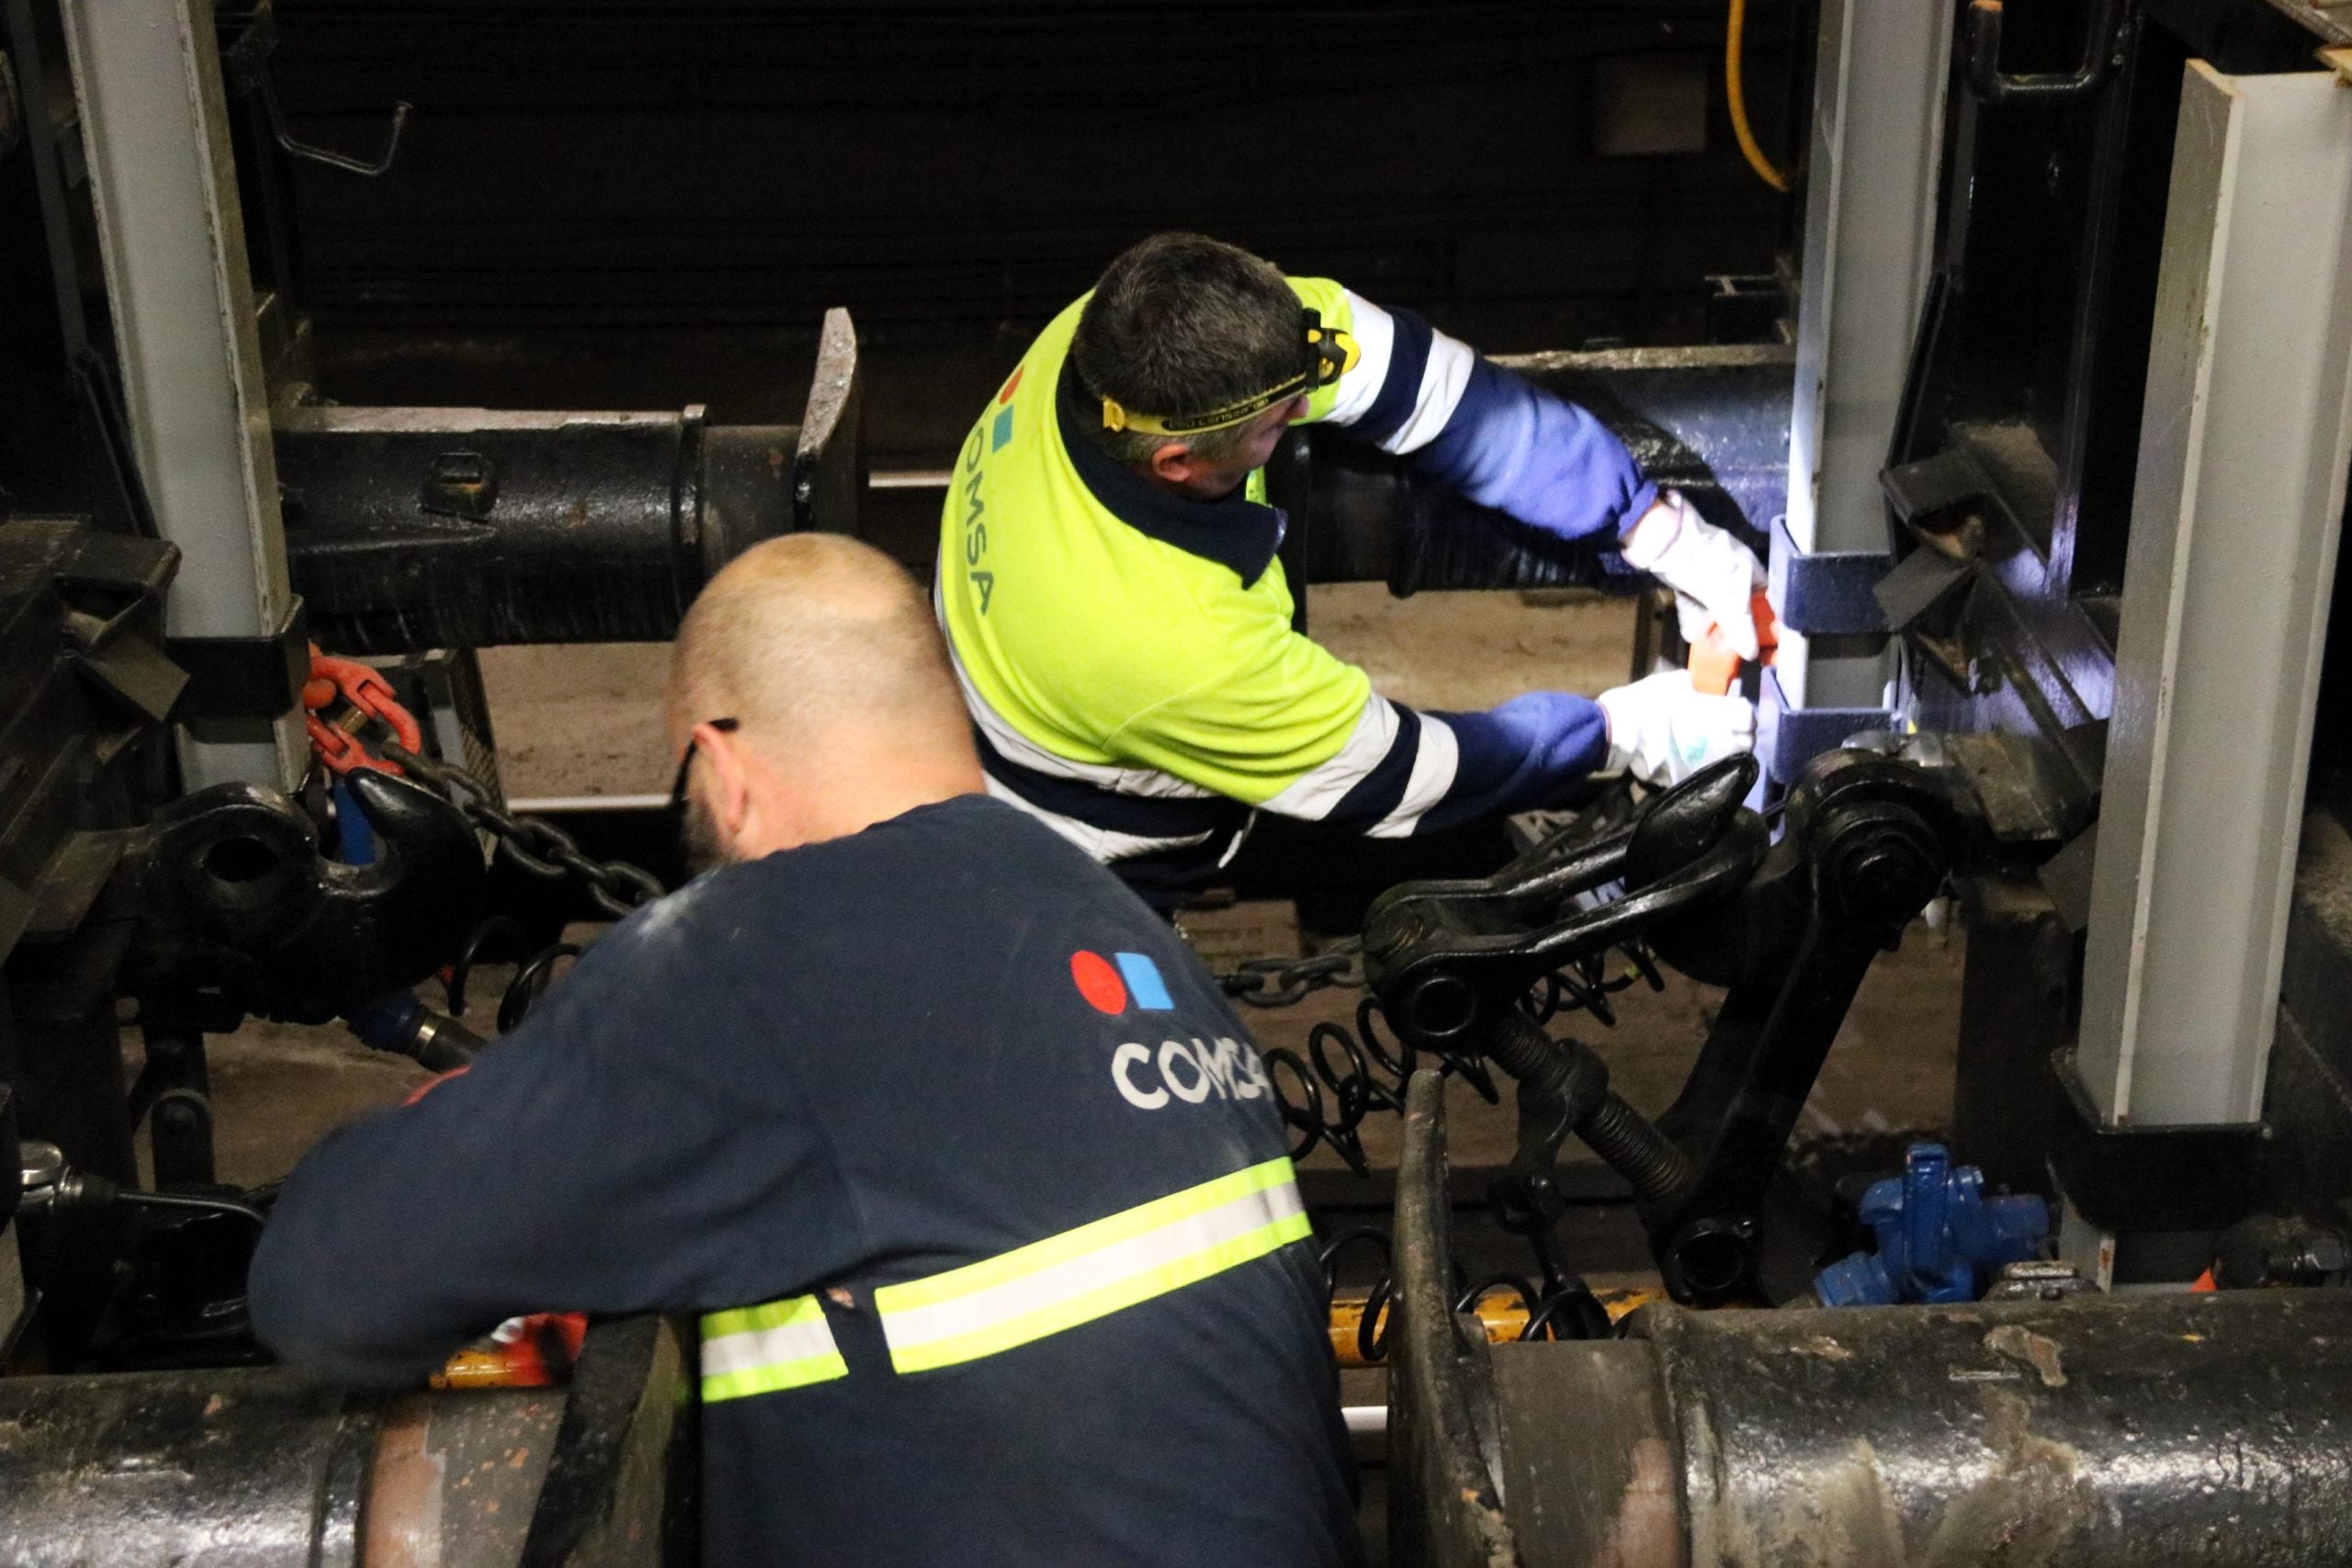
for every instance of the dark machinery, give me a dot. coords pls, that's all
(1788, 927)
(2075, 1430)
(2000, 570)
(147, 883)
(1866, 838)
(173, 860)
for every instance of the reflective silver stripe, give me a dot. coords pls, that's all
(1151, 1250)
(761, 1349)
(1104, 844)
(1442, 381)
(1376, 334)
(1314, 793)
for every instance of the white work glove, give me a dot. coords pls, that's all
(1664, 730)
(1713, 574)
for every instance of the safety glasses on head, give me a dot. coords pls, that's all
(686, 761)
(1326, 355)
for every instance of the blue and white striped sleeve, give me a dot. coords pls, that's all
(1404, 771)
(1492, 436)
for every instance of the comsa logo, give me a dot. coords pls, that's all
(1148, 1077)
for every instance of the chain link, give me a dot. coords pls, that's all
(1279, 982)
(533, 844)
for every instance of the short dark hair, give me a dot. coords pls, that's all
(1179, 324)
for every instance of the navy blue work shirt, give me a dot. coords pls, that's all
(971, 1173)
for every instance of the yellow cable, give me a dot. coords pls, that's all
(1756, 159)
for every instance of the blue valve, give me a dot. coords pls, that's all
(1939, 1236)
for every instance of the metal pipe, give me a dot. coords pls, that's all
(256, 1467)
(422, 527)
(2095, 1431)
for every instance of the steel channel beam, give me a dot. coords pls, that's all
(2236, 515)
(1871, 186)
(155, 131)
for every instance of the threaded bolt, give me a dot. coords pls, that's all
(1635, 1149)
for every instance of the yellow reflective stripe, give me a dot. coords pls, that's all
(760, 1349)
(1096, 1270)
(1037, 1255)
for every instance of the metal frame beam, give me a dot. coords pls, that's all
(155, 131)
(2236, 509)
(1869, 241)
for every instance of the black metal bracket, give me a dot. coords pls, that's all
(1789, 736)
(2151, 1178)
(1941, 500)
(1828, 592)
(235, 898)
(244, 676)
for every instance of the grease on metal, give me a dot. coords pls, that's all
(2037, 1351)
(2026, 1507)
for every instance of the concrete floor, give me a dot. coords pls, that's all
(583, 721)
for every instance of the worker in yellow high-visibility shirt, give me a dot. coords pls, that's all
(1121, 628)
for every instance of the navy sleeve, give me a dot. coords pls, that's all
(1518, 449)
(569, 1170)
(1524, 755)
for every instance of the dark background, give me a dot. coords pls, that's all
(609, 204)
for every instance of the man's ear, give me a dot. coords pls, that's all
(1172, 462)
(730, 778)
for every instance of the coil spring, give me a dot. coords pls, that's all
(1563, 1307)
(533, 973)
(1360, 1072)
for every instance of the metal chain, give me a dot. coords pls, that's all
(1279, 982)
(533, 844)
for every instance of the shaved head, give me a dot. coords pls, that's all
(825, 655)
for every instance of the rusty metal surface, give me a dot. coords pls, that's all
(1593, 1476)
(229, 1468)
(619, 1491)
(457, 1476)
(261, 1467)
(2080, 1434)
(1445, 1507)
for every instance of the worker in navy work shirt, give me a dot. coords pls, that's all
(1122, 627)
(973, 1181)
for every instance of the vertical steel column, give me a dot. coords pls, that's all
(1869, 237)
(2238, 502)
(155, 131)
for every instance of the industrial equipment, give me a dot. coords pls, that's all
(2043, 427)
